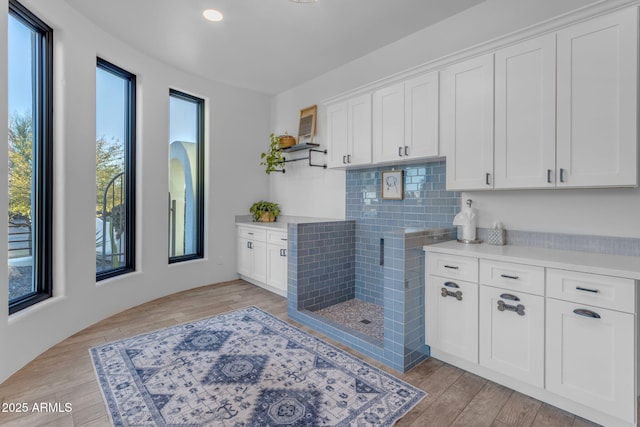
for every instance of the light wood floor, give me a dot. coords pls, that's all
(65, 373)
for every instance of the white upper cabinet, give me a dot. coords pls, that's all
(597, 102)
(349, 132)
(525, 119)
(466, 108)
(388, 123)
(405, 120)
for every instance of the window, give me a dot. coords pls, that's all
(29, 144)
(115, 170)
(186, 176)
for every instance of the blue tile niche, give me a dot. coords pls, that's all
(426, 204)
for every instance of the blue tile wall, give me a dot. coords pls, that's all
(426, 204)
(324, 256)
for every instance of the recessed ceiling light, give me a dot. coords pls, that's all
(212, 15)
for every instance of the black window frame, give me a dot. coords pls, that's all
(42, 168)
(199, 254)
(129, 170)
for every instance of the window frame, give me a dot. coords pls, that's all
(42, 161)
(129, 170)
(200, 103)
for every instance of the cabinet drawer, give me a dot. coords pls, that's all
(252, 233)
(615, 293)
(277, 238)
(519, 277)
(453, 266)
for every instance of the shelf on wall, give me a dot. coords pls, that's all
(306, 146)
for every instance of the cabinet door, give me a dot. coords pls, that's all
(452, 321)
(277, 267)
(525, 122)
(512, 342)
(421, 116)
(466, 104)
(359, 131)
(337, 146)
(245, 257)
(259, 261)
(388, 124)
(597, 102)
(591, 359)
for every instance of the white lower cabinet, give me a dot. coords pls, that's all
(452, 317)
(590, 357)
(512, 333)
(567, 336)
(262, 258)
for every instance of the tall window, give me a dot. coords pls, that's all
(30, 158)
(186, 176)
(115, 170)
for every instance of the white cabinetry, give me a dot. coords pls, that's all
(597, 102)
(466, 108)
(451, 319)
(405, 120)
(525, 121)
(590, 349)
(564, 336)
(262, 258)
(512, 320)
(349, 132)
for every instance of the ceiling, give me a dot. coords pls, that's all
(264, 45)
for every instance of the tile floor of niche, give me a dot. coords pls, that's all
(351, 314)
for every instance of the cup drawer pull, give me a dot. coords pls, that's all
(510, 297)
(519, 309)
(593, 291)
(508, 276)
(586, 313)
(451, 284)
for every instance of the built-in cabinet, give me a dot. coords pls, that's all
(262, 257)
(590, 142)
(566, 336)
(466, 105)
(349, 132)
(405, 120)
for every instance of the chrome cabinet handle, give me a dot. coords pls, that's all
(250, 234)
(250, 245)
(283, 252)
(580, 288)
(344, 160)
(283, 239)
(510, 297)
(507, 276)
(451, 284)
(549, 176)
(445, 293)
(518, 309)
(561, 175)
(406, 150)
(453, 267)
(586, 313)
(399, 151)
(487, 175)
(348, 158)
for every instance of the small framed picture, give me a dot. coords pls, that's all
(393, 185)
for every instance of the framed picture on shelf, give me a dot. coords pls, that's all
(393, 185)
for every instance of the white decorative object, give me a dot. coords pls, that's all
(468, 220)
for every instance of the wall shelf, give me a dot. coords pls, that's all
(306, 146)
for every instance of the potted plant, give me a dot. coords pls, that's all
(264, 211)
(273, 159)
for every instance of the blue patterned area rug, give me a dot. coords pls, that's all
(244, 368)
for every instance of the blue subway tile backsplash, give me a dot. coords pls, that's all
(426, 204)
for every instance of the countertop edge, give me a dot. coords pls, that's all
(587, 262)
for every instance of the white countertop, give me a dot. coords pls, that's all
(611, 265)
(283, 220)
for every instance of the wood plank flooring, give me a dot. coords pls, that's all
(65, 373)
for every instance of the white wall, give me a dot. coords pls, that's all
(604, 212)
(234, 181)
